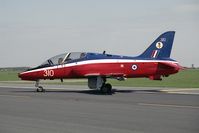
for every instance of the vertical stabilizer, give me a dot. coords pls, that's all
(161, 47)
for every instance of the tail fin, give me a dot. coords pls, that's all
(161, 47)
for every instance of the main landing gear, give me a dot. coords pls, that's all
(39, 88)
(106, 88)
(99, 83)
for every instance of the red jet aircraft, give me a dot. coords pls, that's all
(154, 63)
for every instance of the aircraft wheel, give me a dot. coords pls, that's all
(107, 88)
(40, 89)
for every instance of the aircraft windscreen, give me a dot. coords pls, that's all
(58, 59)
(62, 59)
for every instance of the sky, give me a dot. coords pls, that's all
(32, 31)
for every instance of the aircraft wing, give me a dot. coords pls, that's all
(105, 75)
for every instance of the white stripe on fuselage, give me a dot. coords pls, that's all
(98, 61)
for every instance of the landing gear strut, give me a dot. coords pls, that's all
(39, 88)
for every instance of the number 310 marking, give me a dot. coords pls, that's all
(48, 73)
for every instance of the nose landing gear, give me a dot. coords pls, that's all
(39, 88)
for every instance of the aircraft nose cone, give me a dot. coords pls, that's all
(26, 75)
(20, 75)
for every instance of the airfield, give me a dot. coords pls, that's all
(75, 109)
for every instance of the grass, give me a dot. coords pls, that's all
(184, 79)
(9, 75)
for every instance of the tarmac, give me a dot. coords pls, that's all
(76, 109)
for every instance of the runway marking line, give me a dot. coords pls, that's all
(28, 87)
(168, 105)
(177, 89)
(183, 92)
(16, 87)
(192, 91)
(14, 96)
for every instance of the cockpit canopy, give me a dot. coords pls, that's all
(63, 59)
(74, 57)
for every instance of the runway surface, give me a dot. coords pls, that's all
(79, 110)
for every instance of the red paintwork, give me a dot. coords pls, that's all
(152, 70)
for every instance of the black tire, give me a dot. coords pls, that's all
(103, 89)
(40, 89)
(109, 88)
(106, 88)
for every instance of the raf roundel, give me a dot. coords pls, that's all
(134, 67)
(159, 45)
